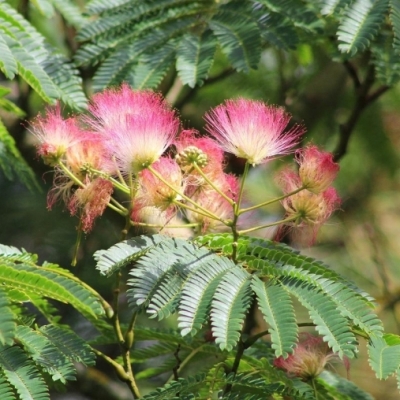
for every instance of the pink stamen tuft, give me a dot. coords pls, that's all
(252, 130)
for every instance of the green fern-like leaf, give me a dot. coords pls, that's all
(31, 71)
(197, 294)
(119, 65)
(187, 389)
(153, 67)
(124, 253)
(344, 386)
(238, 35)
(301, 15)
(46, 283)
(277, 30)
(42, 351)
(12, 163)
(100, 6)
(384, 358)
(231, 301)
(273, 260)
(195, 57)
(8, 64)
(12, 255)
(6, 391)
(67, 79)
(330, 324)
(395, 19)
(7, 321)
(386, 61)
(22, 374)
(71, 12)
(69, 344)
(160, 274)
(35, 60)
(276, 306)
(252, 388)
(361, 24)
(333, 6)
(156, 350)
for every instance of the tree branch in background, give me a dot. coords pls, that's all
(363, 99)
(186, 97)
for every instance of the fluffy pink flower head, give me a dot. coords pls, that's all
(317, 169)
(91, 201)
(154, 192)
(88, 153)
(252, 130)
(310, 208)
(137, 126)
(203, 150)
(55, 135)
(309, 358)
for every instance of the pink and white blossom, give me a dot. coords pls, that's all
(252, 130)
(309, 358)
(55, 134)
(155, 193)
(91, 201)
(308, 211)
(317, 169)
(137, 126)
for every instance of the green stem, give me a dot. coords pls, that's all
(266, 203)
(188, 199)
(119, 205)
(236, 213)
(116, 209)
(206, 214)
(282, 221)
(70, 175)
(227, 198)
(236, 363)
(144, 224)
(125, 351)
(123, 187)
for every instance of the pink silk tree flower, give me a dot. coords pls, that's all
(137, 127)
(309, 358)
(317, 169)
(55, 135)
(252, 130)
(153, 192)
(85, 154)
(91, 201)
(308, 210)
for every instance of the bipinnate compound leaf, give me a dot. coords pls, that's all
(7, 320)
(198, 292)
(45, 354)
(229, 306)
(195, 56)
(276, 306)
(361, 24)
(124, 253)
(384, 357)
(22, 374)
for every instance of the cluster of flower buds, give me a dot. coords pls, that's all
(132, 142)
